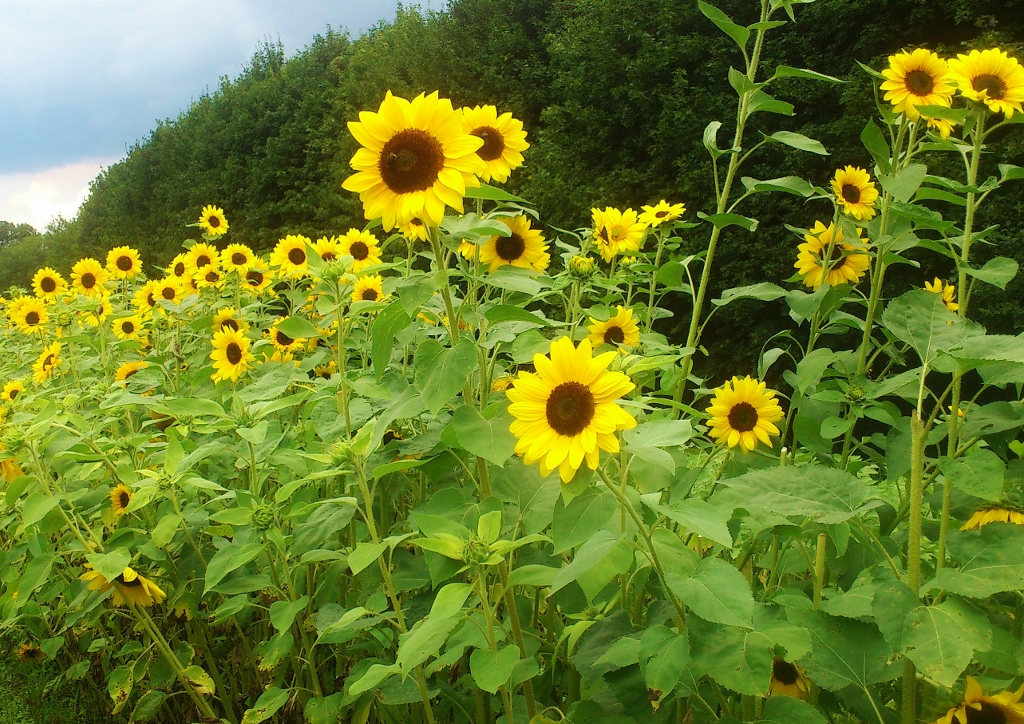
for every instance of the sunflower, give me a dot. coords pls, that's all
(788, 680)
(504, 141)
(123, 262)
(977, 708)
(415, 230)
(12, 389)
(847, 263)
(120, 496)
(566, 412)
(503, 383)
(416, 158)
(661, 213)
(988, 515)
(620, 331)
(48, 284)
(918, 78)
(168, 290)
(208, 276)
(328, 248)
(9, 469)
(855, 192)
(88, 277)
(180, 267)
(369, 288)
(946, 291)
(226, 318)
(941, 126)
(29, 315)
(213, 221)
(30, 653)
(257, 280)
(617, 231)
(96, 311)
(991, 77)
(128, 328)
(282, 341)
(129, 587)
(199, 256)
(129, 369)
(289, 257)
(468, 250)
(525, 248)
(231, 356)
(237, 258)
(47, 363)
(362, 246)
(144, 299)
(743, 412)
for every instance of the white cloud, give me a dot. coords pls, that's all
(37, 198)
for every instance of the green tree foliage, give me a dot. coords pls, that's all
(10, 232)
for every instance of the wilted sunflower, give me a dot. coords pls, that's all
(168, 290)
(362, 246)
(918, 78)
(946, 291)
(620, 331)
(566, 412)
(231, 356)
(129, 587)
(257, 280)
(30, 653)
(416, 158)
(504, 141)
(88, 277)
(207, 277)
(415, 230)
(48, 284)
(180, 267)
(846, 265)
(617, 231)
(48, 361)
(990, 514)
(788, 680)
(128, 328)
(991, 77)
(29, 315)
(123, 262)
(742, 413)
(120, 497)
(226, 318)
(144, 299)
(289, 257)
(12, 389)
(237, 258)
(199, 256)
(329, 248)
(212, 219)
(96, 310)
(282, 341)
(369, 288)
(855, 192)
(661, 213)
(1003, 708)
(524, 248)
(129, 369)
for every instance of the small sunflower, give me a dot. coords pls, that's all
(282, 341)
(941, 126)
(788, 680)
(991, 514)
(209, 277)
(991, 77)
(846, 265)
(415, 230)
(617, 231)
(369, 288)
(977, 708)
(168, 290)
(180, 267)
(96, 311)
(123, 262)
(503, 383)
(144, 298)
(231, 356)
(918, 78)
(88, 277)
(237, 258)
(946, 291)
(581, 266)
(329, 248)
(48, 284)
(11, 390)
(30, 653)
(620, 331)
(128, 328)
(525, 248)
(504, 141)
(29, 315)
(129, 587)
(257, 280)
(289, 257)
(661, 213)
(120, 497)
(742, 413)
(468, 250)
(362, 246)
(213, 221)
(566, 412)
(47, 362)
(199, 256)
(227, 318)
(416, 158)
(129, 369)
(855, 192)
(10, 470)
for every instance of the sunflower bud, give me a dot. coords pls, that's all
(476, 551)
(340, 453)
(332, 271)
(262, 517)
(581, 267)
(855, 393)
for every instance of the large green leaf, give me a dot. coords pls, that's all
(664, 661)
(738, 33)
(491, 669)
(844, 652)
(716, 592)
(826, 495)
(904, 183)
(440, 372)
(575, 523)
(979, 474)
(990, 560)
(266, 706)
(737, 659)
(799, 141)
(942, 639)
(489, 439)
(587, 557)
(892, 604)
(920, 319)
(790, 710)
(227, 559)
(391, 320)
(695, 515)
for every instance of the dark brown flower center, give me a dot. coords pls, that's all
(88, 280)
(127, 327)
(238, 258)
(510, 248)
(411, 161)
(851, 194)
(150, 300)
(297, 256)
(836, 259)
(203, 260)
(128, 374)
(570, 408)
(124, 498)
(359, 250)
(988, 714)
(212, 276)
(416, 222)
(494, 143)
(602, 234)
(124, 263)
(660, 214)
(328, 256)
(229, 324)
(233, 353)
(743, 418)
(783, 671)
(48, 284)
(32, 318)
(614, 335)
(213, 221)
(14, 393)
(134, 583)
(254, 278)
(179, 269)
(283, 339)
(168, 293)
(370, 295)
(992, 85)
(48, 361)
(919, 82)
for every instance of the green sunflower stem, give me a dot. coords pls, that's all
(918, 434)
(435, 245)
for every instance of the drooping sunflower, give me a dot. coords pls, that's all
(88, 277)
(129, 587)
(96, 311)
(168, 290)
(128, 328)
(231, 356)
(48, 284)
(123, 262)
(180, 267)
(620, 331)
(237, 258)
(566, 411)
(208, 277)
(917, 78)
(977, 708)
(946, 291)
(282, 341)
(369, 288)
(941, 126)
(47, 362)
(12, 389)
(120, 497)
(29, 315)
(30, 653)
(525, 248)
(227, 318)
(415, 230)
(129, 369)
(362, 246)
(416, 158)
(855, 192)
(617, 231)
(661, 213)
(289, 257)
(993, 514)
(468, 250)
(504, 141)
(847, 262)
(199, 256)
(328, 247)
(788, 680)
(213, 221)
(991, 77)
(742, 413)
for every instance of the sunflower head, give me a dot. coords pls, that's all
(29, 314)
(213, 221)
(180, 267)
(855, 193)
(237, 258)
(369, 288)
(133, 587)
(129, 369)
(979, 708)
(123, 262)
(788, 680)
(917, 78)
(744, 413)
(48, 284)
(30, 653)
(328, 248)
(209, 276)
(290, 258)
(991, 77)
(231, 356)
(199, 257)
(823, 248)
(362, 246)
(88, 277)
(227, 318)
(994, 514)
(282, 341)
(120, 497)
(582, 266)
(11, 390)
(620, 331)
(46, 363)
(257, 280)
(415, 230)
(661, 213)
(504, 141)
(944, 290)
(524, 247)
(616, 231)
(128, 328)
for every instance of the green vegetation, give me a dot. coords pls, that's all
(29, 697)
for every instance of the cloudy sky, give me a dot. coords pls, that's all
(84, 79)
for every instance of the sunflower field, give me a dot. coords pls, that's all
(448, 468)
